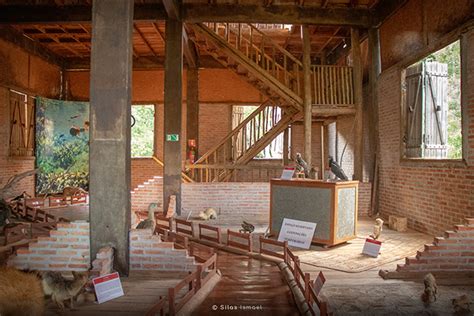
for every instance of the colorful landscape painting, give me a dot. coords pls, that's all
(62, 145)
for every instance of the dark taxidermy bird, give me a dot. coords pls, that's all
(247, 227)
(150, 221)
(336, 169)
(301, 165)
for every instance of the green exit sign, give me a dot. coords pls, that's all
(172, 137)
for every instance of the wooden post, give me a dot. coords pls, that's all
(374, 72)
(192, 105)
(323, 155)
(357, 76)
(286, 147)
(307, 94)
(172, 112)
(110, 116)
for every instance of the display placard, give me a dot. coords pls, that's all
(287, 173)
(107, 287)
(297, 233)
(372, 247)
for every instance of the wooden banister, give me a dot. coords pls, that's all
(184, 176)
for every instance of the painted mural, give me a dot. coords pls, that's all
(62, 145)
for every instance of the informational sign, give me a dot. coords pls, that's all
(287, 173)
(108, 287)
(297, 233)
(318, 283)
(372, 247)
(172, 137)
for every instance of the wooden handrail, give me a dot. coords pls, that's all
(248, 237)
(217, 230)
(184, 176)
(281, 244)
(234, 132)
(188, 230)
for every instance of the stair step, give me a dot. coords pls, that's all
(449, 233)
(469, 221)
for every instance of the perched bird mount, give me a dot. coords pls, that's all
(302, 166)
(337, 170)
(150, 222)
(247, 227)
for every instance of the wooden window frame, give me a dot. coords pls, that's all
(460, 34)
(30, 120)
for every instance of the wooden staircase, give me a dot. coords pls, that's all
(278, 75)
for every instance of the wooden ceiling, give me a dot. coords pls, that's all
(71, 40)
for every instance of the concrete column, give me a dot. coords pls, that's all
(172, 112)
(192, 105)
(110, 111)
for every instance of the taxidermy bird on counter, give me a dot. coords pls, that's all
(377, 228)
(150, 222)
(247, 228)
(337, 170)
(301, 165)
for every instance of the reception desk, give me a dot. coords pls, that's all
(332, 205)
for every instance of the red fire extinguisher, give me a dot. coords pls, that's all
(192, 150)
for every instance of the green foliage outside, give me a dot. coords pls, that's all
(451, 55)
(143, 130)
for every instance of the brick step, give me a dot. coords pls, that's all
(449, 234)
(469, 221)
(463, 228)
(443, 241)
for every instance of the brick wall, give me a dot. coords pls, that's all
(66, 249)
(453, 252)
(214, 125)
(432, 195)
(365, 192)
(144, 169)
(148, 252)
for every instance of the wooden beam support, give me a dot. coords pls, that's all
(307, 107)
(172, 9)
(39, 14)
(286, 146)
(172, 113)
(384, 9)
(190, 51)
(277, 14)
(192, 106)
(197, 13)
(358, 100)
(110, 113)
(15, 37)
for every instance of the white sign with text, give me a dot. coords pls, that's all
(372, 247)
(297, 233)
(107, 287)
(287, 173)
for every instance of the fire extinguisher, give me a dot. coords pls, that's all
(192, 150)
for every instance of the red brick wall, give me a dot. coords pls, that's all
(148, 252)
(28, 74)
(365, 192)
(66, 249)
(453, 252)
(214, 125)
(144, 169)
(432, 195)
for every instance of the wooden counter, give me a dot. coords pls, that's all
(332, 205)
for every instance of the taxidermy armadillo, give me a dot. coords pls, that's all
(247, 227)
(208, 214)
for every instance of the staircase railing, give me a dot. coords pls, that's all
(184, 176)
(243, 143)
(332, 85)
(264, 54)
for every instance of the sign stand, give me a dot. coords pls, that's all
(108, 287)
(372, 247)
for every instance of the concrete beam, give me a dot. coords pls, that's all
(110, 112)
(172, 112)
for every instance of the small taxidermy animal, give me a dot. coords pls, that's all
(208, 214)
(247, 227)
(336, 169)
(302, 166)
(71, 191)
(20, 293)
(377, 228)
(61, 289)
(431, 289)
(462, 305)
(150, 222)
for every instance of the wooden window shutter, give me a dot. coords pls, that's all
(414, 111)
(22, 118)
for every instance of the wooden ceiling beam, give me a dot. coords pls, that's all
(143, 38)
(15, 37)
(189, 50)
(172, 8)
(276, 14)
(194, 13)
(384, 9)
